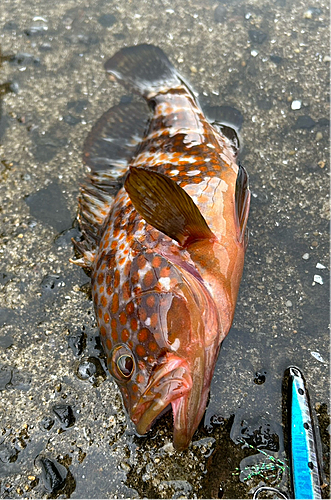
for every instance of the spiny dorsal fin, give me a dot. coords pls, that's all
(166, 206)
(243, 196)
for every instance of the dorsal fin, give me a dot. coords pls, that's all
(242, 199)
(166, 206)
(108, 149)
(113, 139)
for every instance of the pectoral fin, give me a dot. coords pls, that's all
(243, 197)
(166, 206)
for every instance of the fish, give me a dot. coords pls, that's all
(163, 215)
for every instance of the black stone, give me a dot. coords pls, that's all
(77, 343)
(259, 378)
(53, 474)
(65, 415)
(107, 20)
(257, 36)
(46, 424)
(304, 122)
(275, 59)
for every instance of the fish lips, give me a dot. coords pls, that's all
(170, 383)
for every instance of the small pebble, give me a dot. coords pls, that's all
(254, 53)
(318, 279)
(326, 59)
(312, 13)
(317, 356)
(305, 256)
(193, 69)
(319, 136)
(320, 266)
(288, 303)
(296, 104)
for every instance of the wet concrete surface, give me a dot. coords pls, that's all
(63, 430)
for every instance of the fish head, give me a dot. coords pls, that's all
(169, 358)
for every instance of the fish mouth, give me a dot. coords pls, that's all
(171, 383)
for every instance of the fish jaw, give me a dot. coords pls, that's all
(185, 387)
(170, 381)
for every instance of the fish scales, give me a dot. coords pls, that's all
(166, 252)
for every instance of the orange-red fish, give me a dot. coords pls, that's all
(163, 216)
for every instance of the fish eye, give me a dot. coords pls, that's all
(125, 365)
(121, 364)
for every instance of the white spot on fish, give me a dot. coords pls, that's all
(165, 282)
(174, 172)
(175, 345)
(193, 172)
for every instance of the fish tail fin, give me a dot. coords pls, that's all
(144, 69)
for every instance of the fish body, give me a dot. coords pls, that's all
(166, 251)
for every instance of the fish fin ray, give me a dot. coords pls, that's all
(113, 140)
(144, 69)
(93, 208)
(242, 199)
(88, 256)
(166, 206)
(108, 150)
